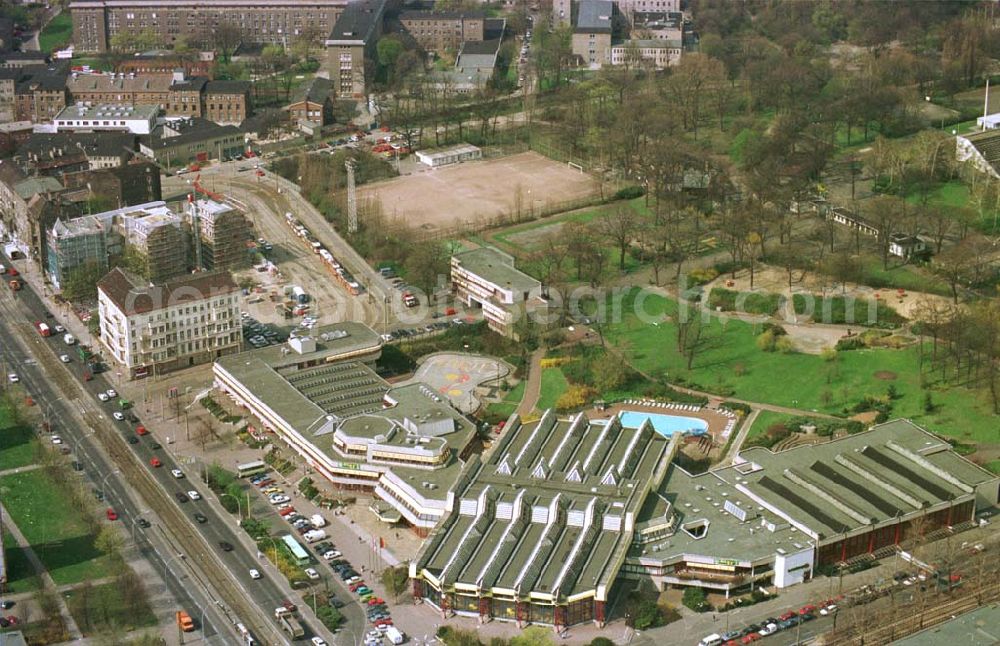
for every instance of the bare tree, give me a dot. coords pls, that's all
(620, 226)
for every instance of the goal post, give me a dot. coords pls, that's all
(575, 165)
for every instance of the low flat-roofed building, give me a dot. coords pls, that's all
(319, 394)
(655, 53)
(107, 117)
(450, 155)
(542, 530)
(486, 277)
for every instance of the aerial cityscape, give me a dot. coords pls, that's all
(499, 322)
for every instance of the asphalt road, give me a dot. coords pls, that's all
(26, 307)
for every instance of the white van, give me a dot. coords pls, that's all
(711, 640)
(69, 339)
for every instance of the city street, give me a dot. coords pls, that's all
(55, 399)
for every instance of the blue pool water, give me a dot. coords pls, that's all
(665, 425)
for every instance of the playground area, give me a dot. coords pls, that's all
(456, 376)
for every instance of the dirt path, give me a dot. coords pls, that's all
(533, 386)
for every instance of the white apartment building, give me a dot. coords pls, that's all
(486, 277)
(656, 53)
(157, 328)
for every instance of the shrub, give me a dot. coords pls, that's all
(766, 341)
(784, 345)
(750, 303)
(647, 615)
(850, 343)
(702, 275)
(576, 396)
(629, 193)
(694, 598)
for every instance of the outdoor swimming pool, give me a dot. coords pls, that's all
(665, 425)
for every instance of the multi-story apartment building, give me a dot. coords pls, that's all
(58, 153)
(71, 244)
(220, 235)
(629, 7)
(149, 329)
(592, 35)
(96, 22)
(136, 182)
(40, 98)
(226, 102)
(350, 43)
(486, 278)
(158, 234)
(9, 78)
(436, 31)
(125, 88)
(28, 206)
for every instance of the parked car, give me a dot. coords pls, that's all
(118, 416)
(111, 514)
(312, 573)
(254, 574)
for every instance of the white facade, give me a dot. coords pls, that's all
(452, 155)
(793, 568)
(138, 120)
(658, 53)
(486, 277)
(172, 336)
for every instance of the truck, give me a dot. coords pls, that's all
(43, 329)
(314, 535)
(394, 635)
(317, 521)
(300, 295)
(291, 626)
(184, 621)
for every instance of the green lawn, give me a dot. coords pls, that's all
(17, 444)
(510, 401)
(54, 528)
(20, 575)
(764, 421)
(57, 34)
(729, 362)
(102, 608)
(554, 384)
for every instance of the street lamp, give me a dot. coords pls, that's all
(239, 507)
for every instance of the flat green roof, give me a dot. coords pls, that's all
(496, 267)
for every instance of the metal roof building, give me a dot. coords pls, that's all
(318, 393)
(563, 510)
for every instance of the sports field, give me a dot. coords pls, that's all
(480, 193)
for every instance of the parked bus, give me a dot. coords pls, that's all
(251, 469)
(299, 553)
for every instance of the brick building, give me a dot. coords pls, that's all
(226, 102)
(96, 22)
(351, 42)
(436, 31)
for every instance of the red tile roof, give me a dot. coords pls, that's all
(133, 296)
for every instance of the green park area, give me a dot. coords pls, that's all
(111, 608)
(727, 360)
(510, 402)
(21, 576)
(57, 530)
(554, 384)
(18, 444)
(57, 34)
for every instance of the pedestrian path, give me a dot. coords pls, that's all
(533, 388)
(24, 469)
(41, 571)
